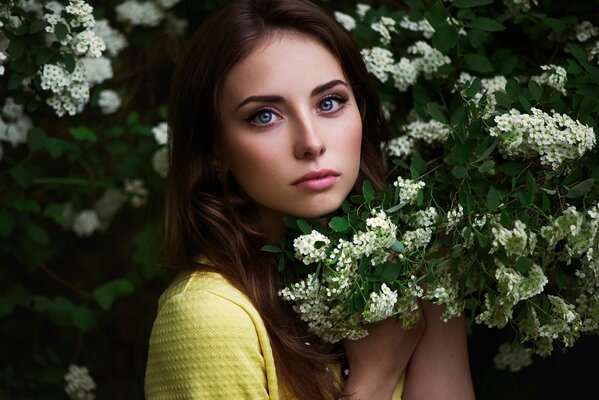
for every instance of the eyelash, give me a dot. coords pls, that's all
(342, 100)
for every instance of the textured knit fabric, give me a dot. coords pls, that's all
(209, 342)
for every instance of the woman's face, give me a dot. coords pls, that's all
(291, 127)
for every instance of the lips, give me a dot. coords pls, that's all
(317, 180)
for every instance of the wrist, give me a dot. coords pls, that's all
(364, 386)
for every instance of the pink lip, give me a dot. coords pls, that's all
(318, 180)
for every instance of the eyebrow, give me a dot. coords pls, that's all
(279, 99)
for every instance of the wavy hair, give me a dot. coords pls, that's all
(206, 214)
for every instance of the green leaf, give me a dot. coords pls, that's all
(473, 88)
(445, 38)
(478, 63)
(270, 248)
(459, 172)
(15, 81)
(339, 224)
(83, 133)
(55, 147)
(37, 25)
(22, 175)
(69, 62)
(83, 318)
(368, 191)
(60, 31)
(36, 139)
(524, 264)
(493, 199)
(15, 48)
(437, 15)
(388, 272)
(304, 226)
(535, 90)
(418, 165)
(6, 307)
(37, 233)
(487, 165)
(106, 294)
(486, 24)
(397, 246)
(55, 212)
(7, 223)
(580, 189)
(471, 3)
(42, 56)
(435, 112)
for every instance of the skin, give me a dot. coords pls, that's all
(270, 143)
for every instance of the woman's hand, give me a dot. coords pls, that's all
(377, 362)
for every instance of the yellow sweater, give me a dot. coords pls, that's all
(209, 342)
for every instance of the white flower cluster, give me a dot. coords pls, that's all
(109, 101)
(423, 218)
(80, 384)
(307, 250)
(513, 357)
(445, 290)
(520, 5)
(554, 76)
(518, 242)
(160, 132)
(407, 303)
(585, 30)
(421, 26)
(429, 132)
(487, 95)
(408, 189)
(97, 70)
(380, 235)
(384, 26)
(137, 191)
(346, 21)
(430, 59)
(380, 305)
(556, 138)
(113, 39)
(86, 222)
(330, 322)
(362, 9)
(147, 13)
(419, 238)
(454, 216)
(379, 62)
(160, 161)
(401, 146)
(564, 325)
(322, 304)
(405, 73)
(587, 300)
(71, 90)
(512, 288)
(580, 231)
(2, 59)
(14, 123)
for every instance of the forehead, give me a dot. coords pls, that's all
(285, 62)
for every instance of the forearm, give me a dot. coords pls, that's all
(378, 361)
(439, 367)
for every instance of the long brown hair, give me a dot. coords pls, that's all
(210, 215)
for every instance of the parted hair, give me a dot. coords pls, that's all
(208, 214)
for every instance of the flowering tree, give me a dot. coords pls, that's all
(491, 207)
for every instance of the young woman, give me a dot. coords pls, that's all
(273, 113)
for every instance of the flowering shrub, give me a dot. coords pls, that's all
(495, 178)
(494, 163)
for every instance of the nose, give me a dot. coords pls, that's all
(308, 142)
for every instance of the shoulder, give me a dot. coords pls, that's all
(206, 338)
(205, 304)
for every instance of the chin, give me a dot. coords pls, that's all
(319, 208)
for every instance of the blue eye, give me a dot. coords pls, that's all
(264, 116)
(327, 105)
